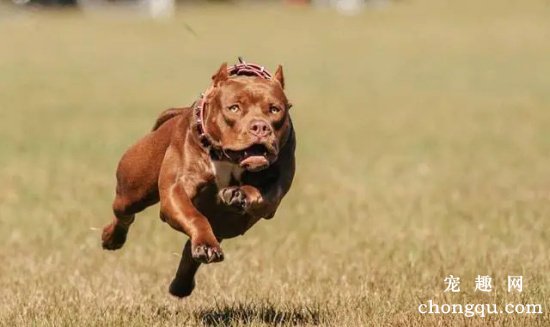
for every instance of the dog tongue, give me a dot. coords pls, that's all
(255, 163)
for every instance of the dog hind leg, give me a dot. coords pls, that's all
(125, 208)
(137, 180)
(184, 282)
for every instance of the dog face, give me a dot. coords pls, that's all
(249, 117)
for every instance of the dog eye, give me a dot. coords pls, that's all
(233, 108)
(274, 109)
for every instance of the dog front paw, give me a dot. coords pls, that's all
(206, 252)
(234, 197)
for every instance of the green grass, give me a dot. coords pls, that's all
(424, 151)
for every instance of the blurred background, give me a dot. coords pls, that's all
(166, 8)
(423, 151)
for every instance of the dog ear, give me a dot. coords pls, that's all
(279, 77)
(221, 76)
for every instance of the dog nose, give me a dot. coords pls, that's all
(260, 128)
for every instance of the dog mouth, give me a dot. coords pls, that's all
(253, 158)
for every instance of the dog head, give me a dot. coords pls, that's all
(248, 116)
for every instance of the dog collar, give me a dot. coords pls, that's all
(215, 149)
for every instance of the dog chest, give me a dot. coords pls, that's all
(225, 172)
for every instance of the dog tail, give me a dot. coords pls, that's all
(166, 115)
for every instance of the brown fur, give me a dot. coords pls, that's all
(170, 165)
(167, 115)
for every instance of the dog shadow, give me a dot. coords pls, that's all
(230, 315)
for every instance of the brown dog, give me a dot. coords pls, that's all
(216, 167)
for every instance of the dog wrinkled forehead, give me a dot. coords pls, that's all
(249, 89)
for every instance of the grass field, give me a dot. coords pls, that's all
(424, 151)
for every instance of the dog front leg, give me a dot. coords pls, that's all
(180, 213)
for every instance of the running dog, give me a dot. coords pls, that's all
(216, 167)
